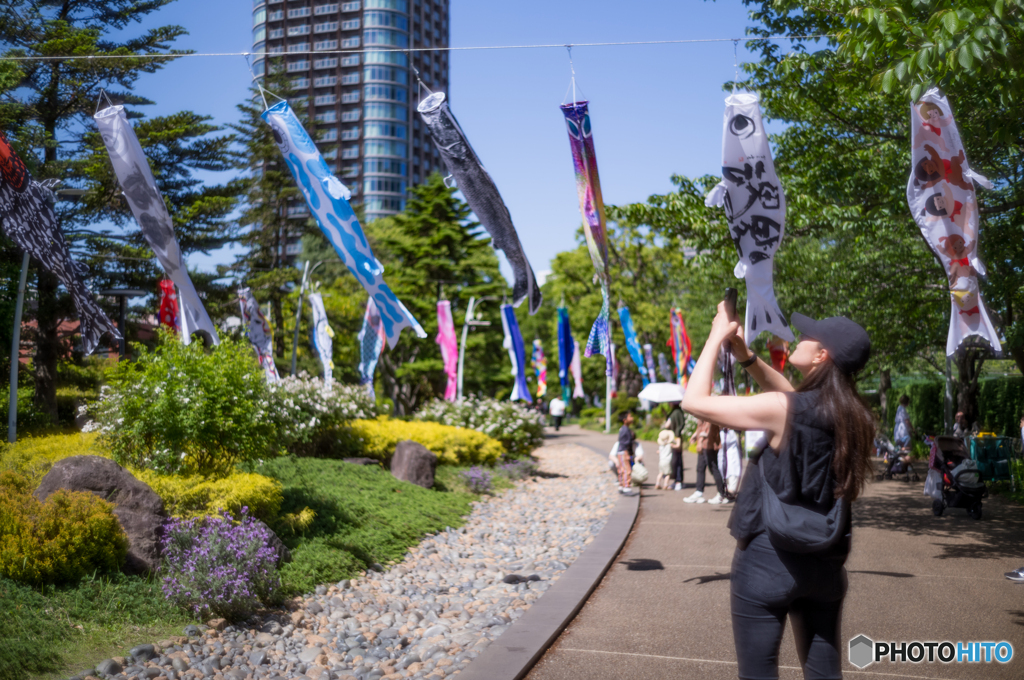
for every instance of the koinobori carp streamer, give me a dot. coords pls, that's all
(755, 207)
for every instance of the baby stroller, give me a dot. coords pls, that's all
(961, 481)
(891, 461)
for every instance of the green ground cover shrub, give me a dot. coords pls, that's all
(452, 445)
(363, 516)
(517, 428)
(69, 535)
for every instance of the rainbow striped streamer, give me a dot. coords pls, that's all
(540, 367)
(588, 186)
(679, 341)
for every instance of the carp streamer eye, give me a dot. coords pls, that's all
(742, 126)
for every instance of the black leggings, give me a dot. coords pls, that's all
(708, 458)
(766, 585)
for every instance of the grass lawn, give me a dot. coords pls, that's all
(56, 632)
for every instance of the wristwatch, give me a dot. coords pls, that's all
(749, 362)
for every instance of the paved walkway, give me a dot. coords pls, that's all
(663, 609)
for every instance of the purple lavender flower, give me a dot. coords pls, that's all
(217, 566)
(477, 479)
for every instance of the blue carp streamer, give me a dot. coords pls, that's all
(328, 201)
(566, 345)
(632, 345)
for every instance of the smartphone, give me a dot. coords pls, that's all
(731, 294)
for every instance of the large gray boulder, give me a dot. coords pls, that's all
(139, 510)
(414, 463)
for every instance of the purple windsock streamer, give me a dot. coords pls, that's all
(258, 331)
(588, 187)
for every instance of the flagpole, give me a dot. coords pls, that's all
(465, 332)
(12, 414)
(608, 395)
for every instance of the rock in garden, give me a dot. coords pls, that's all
(108, 667)
(143, 653)
(414, 463)
(139, 510)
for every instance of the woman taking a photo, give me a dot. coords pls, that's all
(815, 457)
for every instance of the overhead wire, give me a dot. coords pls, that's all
(181, 55)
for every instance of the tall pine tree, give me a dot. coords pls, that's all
(48, 112)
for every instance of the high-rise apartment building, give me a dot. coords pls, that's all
(362, 104)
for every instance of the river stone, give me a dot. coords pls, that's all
(414, 463)
(310, 654)
(143, 653)
(108, 667)
(139, 510)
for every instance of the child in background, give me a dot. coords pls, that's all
(627, 446)
(664, 480)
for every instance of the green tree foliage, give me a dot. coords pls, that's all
(48, 112)
(432, 250)
(649, 274)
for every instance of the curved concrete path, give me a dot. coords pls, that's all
(662, 610)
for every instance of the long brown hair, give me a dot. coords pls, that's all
(852, 423)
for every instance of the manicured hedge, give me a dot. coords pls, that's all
(1000, 405)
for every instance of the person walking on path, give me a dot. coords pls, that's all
(903, 429)
(708, 440)
(627, 446)
(730, 462)
(557, 410)
(817, 455)
(665, 441)
(677, 423)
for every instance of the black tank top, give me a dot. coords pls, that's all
(801, 474)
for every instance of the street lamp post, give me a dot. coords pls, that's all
(122, 294)
(465, 331)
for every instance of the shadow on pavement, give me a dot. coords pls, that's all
(893, 574)
(903, 509)
(1018, 616)
(701, 580)
(643, 564)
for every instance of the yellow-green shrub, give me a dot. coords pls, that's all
(34, 456)
(197, 496)
(452, 445)
(70, 535)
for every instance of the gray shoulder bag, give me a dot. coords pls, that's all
(797, 529)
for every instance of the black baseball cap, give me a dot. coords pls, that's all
(847, 342)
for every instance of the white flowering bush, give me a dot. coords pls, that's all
(307, 412)
(177, 409)
(518, 429)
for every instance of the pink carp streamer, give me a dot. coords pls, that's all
(540, 367)
(449, 348)
(588, 186)
(576, 368)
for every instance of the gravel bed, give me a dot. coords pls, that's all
(428, 616)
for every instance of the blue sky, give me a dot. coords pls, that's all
(656, 109)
